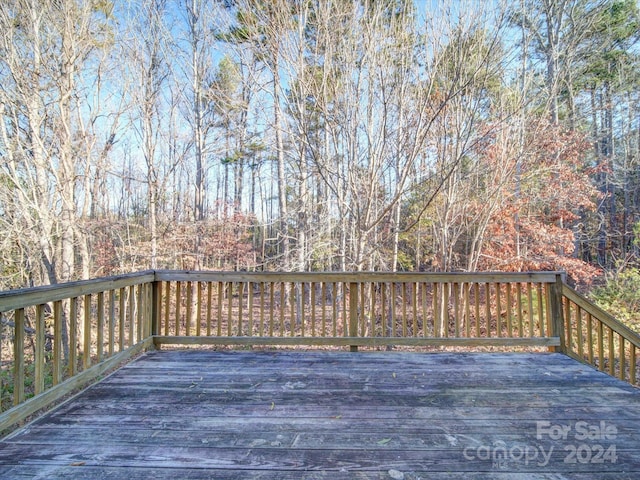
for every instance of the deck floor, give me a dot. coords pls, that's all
(336, 415)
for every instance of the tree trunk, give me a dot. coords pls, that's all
(283, 233)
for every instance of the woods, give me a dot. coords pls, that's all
(308, 135)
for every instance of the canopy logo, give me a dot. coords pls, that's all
(578, 442)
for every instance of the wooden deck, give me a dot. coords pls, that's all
(338, 415)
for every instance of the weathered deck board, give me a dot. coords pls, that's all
(335, 415)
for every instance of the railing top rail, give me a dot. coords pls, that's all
(14, 299)
(357, 277)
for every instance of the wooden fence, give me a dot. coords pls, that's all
(55, 339)
(595, 337)
(357, 309)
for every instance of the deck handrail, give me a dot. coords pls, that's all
(25, 297)
(597, 338)
(356, 308)
(358, 277)
(63, 336)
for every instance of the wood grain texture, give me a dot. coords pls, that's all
(202, 414)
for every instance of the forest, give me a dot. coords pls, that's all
(321, 135)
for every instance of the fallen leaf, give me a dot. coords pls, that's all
(396, 474)
(273, 405)
(77, 464)
(384, 441)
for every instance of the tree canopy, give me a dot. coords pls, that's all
(318, 135)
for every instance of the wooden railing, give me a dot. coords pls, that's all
(55, 339)
(357, 309)
(595, 337)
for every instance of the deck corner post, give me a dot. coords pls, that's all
(557, 318)
(156, 299)
(353, 313)
(18, 358)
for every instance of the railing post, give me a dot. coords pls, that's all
(18, 358)
(353, 313)
(557, 318)
(156, 299)
(57, 341)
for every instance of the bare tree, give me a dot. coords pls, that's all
(47, 49)
(193, 64)
(148, 63)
